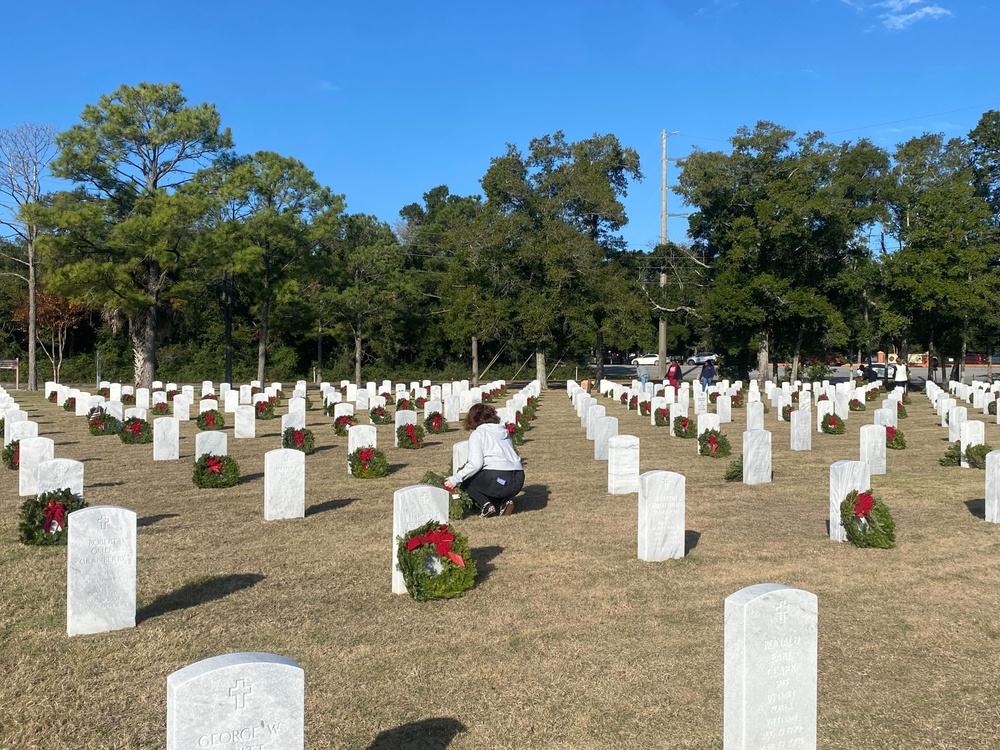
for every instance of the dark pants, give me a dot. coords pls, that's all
(491, 486)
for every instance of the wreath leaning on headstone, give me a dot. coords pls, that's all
(713, 443)
(685, 428)
(12, 455)
(212, 419)
(343, 423)
(867, 521)
(516, 432)
(459, 502)
(160, 408)
(975, 455)
(52, 397)
(734, 472)
(871, 395)
(379, 415)
(69, 404)
(894, 439)
(435, 423)
(833, 425)
(211, 472)
(410, 436)
(435, 562)
(135, 431)
(661, 417)
(786, 412)
(901, 410)
(45, 518)
(952, 456)
(264, 410)
(368, 463)
(101, 423)
(856, 405)
(300, 440)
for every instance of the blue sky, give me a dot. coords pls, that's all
(385, 100)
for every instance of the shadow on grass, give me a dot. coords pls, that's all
(532, 497)
(150, 520)
(312, 510)
(324, 448)
(484, 558)
(197, 592)
(69, 442)
(251, 477)
(429, 734)
(106, 484)
(393, 468)
(977, 508)
(691, 539)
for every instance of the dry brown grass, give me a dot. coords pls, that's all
(568, 641)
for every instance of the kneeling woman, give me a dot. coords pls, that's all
(493, 475)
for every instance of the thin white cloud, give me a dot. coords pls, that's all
(897, 21)
(895, 6)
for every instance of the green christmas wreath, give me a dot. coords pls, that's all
(410, 436)
(368, 463)
(101, 423)
(516, 432)
(379, 415)
(52, 397)
(833, 425)
(12, 455)
(871, 395)
(734, 472)
(530, 407)
(867, 520)
(975, 455)
(300, 440)
(212, 419)
(786, 412)
(856, 405)
(160, 408)
(460, 501)
(992, 408)
(402, 404)
(714, 443)
(264, 409)
(661, 417)
(952, 456)
(215, 471)
(343, 423)
(894, 439)
(435, 423)
(685, 428)
(435, 562)
(68, 405)
(135, 431)
(901, 410)
(45, 518)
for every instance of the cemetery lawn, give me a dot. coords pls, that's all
(567, 641)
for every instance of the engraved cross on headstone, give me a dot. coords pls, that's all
(239, 693)
(781, 611)
(103, 521)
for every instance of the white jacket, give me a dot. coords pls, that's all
(490, 447)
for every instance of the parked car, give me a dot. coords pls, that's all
(974, 358)
(646, 359)
(614, 358)
(700, 359)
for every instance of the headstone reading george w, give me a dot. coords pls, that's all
(100, 580)
(240, 701)
(770, 668)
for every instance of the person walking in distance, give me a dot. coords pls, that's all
(707, 374)
(902, 377)
(674, 374)
(493, 474)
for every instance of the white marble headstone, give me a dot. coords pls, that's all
(61, 473)
(661, 515)
(284, 484)
(33, 452)
(623, 464)
(237, 701)
(166, 435)
(100, 581)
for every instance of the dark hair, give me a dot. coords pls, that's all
(480, 414)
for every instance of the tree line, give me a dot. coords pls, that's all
(180, 258)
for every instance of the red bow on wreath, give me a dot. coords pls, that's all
(54, 514)
(365, 455)
(511, 429)
(412, 433)
(684, 423)
(713, 443)
(863, 505)
(214, 465)
(436, 423)
(441, 539)
(135, 428)
(210, 419)
(890, 433)
(299, 438)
